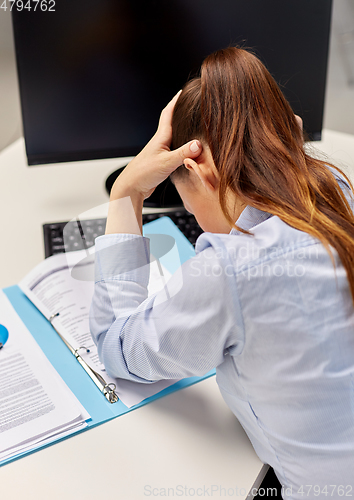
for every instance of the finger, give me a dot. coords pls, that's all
(176, 157)
(167, 112)
(173, 101)
(299, 121)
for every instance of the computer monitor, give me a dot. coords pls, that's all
(95, 74)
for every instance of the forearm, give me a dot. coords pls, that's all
(121, 279)
(125, 212)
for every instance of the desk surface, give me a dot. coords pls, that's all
(189, 439)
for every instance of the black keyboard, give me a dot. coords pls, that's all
(81, 234)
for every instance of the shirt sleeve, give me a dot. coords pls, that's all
(185, 329)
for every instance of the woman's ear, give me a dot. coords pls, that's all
(205, 172)
(190, 164)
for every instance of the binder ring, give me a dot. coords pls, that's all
(82, 347)
(109, 392)
(53, 316)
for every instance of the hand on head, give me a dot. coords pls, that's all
(156, 161)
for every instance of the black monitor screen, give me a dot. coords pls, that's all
(95, 74)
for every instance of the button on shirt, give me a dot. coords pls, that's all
(271, 313)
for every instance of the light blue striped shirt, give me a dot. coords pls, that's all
(271, 314)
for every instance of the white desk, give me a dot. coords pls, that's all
(188, 439)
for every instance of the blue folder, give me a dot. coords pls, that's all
(66, 364)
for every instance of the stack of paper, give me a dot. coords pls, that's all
(36, 406)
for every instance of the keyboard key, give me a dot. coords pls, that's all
(58, 248)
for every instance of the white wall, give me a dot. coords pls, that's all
(339, 104)
(10, 113)
(6, 43)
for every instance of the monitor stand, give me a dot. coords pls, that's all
(164, 196)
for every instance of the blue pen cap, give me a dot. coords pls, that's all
(4, 335)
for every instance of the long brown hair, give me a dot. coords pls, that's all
(238, 110)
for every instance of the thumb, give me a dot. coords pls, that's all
(191, 149)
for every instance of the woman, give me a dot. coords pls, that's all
(268, 299)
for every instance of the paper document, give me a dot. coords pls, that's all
(53, 289)
(36, 406)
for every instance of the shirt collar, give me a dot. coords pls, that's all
(249, 218)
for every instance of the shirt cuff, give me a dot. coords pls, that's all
(124, 257)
